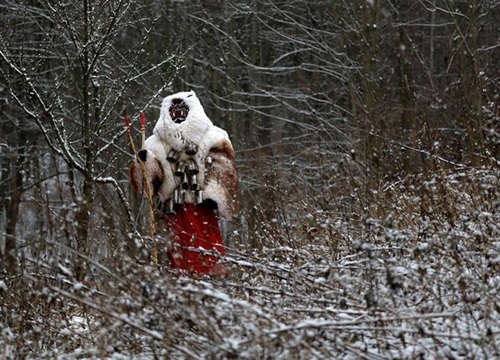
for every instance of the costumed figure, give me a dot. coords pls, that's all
(189, 165)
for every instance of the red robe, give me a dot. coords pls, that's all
(196, 231)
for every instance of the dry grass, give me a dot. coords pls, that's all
(411, 271)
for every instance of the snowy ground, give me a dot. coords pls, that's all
(421, 281)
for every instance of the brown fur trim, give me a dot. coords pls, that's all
(223, 175)
(154, 175)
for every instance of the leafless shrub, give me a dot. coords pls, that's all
(367, 149)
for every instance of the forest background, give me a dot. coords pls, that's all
(367, 139)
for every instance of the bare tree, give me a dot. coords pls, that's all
(369, 230)
(77, 80)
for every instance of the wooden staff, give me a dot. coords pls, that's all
(143, 170)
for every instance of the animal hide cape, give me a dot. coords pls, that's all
(190, 167)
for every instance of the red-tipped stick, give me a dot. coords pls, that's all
(148, 190)
(143, 130)
(129, 132)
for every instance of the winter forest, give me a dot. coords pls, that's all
(367, 138)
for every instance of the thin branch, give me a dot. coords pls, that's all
(121, 195)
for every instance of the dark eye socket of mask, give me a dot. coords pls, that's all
(177, 101)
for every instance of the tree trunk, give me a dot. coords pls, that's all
(87, 199)
(15, 189)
